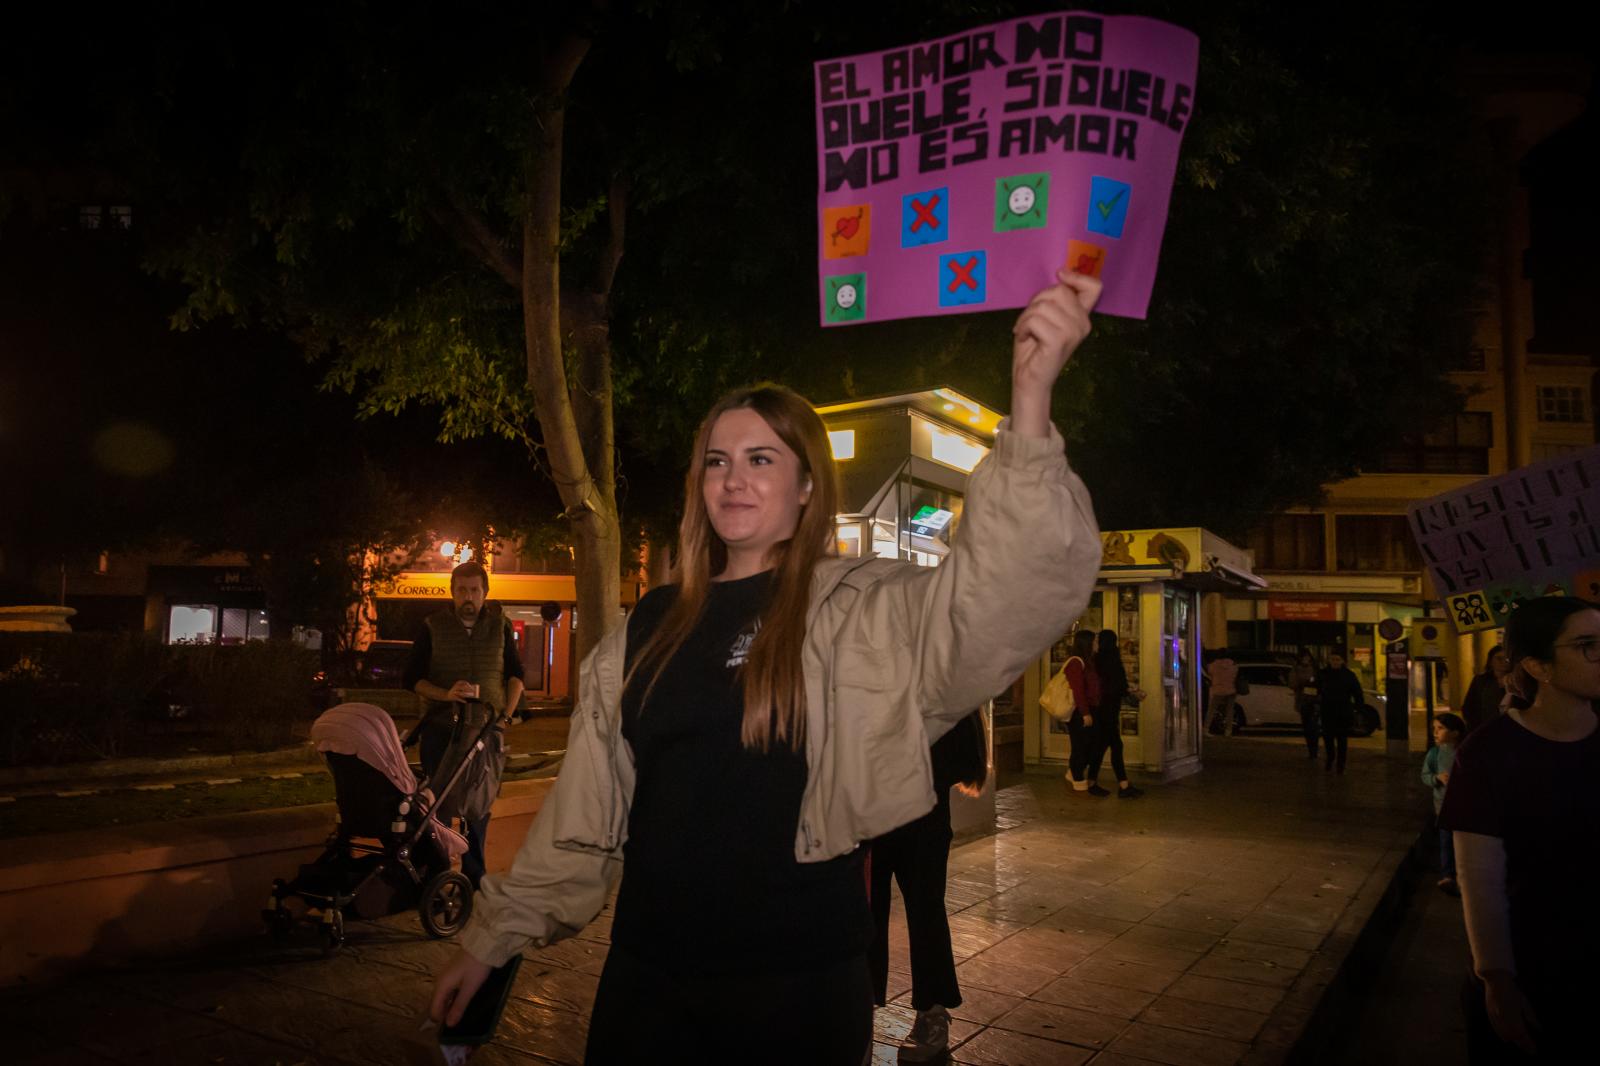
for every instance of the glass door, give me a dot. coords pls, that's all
(1182, 734)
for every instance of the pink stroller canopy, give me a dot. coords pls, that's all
(368, 733)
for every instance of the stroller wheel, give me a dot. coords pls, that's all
(331, 932)
(446, 903)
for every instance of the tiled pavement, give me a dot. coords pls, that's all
(1198, 924)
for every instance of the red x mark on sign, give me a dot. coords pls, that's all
(961, 274)
(924, 212)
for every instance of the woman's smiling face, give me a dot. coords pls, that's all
(754, 487)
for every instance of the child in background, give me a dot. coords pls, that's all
(1447, 732)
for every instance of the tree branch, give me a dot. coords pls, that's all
(617, 216)
(469, 230)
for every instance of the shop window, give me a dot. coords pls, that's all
(1375, 542)
(192, 623)
(240, 624)
(1562, 403)
(1289, 542)
(1460, 445)
(534, 646)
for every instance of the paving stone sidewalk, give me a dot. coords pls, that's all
(1197, 925)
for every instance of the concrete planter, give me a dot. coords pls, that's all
(36, 619)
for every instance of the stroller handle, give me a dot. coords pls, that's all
(477, 747)
(416, 731)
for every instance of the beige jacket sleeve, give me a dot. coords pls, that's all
(1020, 571)
(572, 856)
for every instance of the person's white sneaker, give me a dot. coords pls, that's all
(929, 1038)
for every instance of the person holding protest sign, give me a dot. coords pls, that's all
(1525, 813)
(758, 719)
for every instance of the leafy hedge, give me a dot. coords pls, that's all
(67, 697)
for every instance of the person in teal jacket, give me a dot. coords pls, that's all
(1436, 765)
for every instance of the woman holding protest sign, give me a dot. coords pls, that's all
(756, 720)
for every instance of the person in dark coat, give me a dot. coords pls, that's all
(1338, 696)
(1482, 703)
(1108, 723)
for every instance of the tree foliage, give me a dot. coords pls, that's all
(360, 181)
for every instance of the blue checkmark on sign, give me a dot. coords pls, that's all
(924, 217)
(1108, 206)
(963, 278)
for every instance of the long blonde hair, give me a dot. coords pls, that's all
(772, 677)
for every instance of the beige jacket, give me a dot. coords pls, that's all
(895, 655)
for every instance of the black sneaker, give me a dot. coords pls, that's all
(1132, 792)
(1096, 790)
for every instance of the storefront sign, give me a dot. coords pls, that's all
(1502, 540)
(1303, 610)
(507, 588)
(960, 174)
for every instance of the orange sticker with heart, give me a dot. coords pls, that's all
(1085, 258)
(846, 231)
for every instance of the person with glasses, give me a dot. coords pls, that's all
(1525, 813)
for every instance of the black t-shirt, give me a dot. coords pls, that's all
(710, 883)
(1542, 798)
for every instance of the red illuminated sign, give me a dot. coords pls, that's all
(1303, 610)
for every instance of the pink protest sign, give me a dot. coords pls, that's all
(1497, 542)
(959, 174)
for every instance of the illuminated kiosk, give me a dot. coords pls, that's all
(1149, 592)
(903, 463)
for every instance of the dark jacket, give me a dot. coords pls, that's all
(1338, 696)
(1113, 687)
(1482, 704)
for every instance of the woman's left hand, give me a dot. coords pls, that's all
(1045, 336)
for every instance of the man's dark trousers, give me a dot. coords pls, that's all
(1339, 741)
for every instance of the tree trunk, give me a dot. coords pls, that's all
(583, 475)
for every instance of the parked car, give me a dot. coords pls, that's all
(383, 664)
(1266, 700)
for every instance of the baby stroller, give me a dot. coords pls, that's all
(388, 853)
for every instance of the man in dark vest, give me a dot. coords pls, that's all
(466, 653)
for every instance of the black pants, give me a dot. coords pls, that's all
(1311, 729)
(1336, 745)
(1083, 743)
(917, 856)
(1109, 740)
(652, 1014)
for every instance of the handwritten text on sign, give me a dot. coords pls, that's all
(1502, 540)
(960, 174)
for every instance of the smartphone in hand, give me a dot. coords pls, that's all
(482, 1016)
